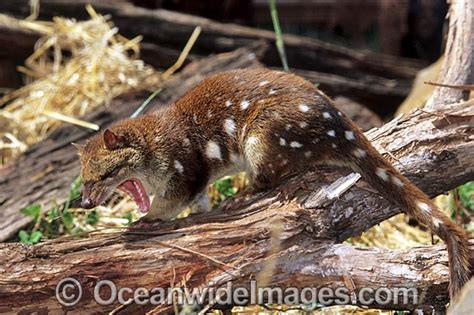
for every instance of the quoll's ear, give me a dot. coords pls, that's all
(113, 141)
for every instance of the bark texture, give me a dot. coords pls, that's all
(458, 65)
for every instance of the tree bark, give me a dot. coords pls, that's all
(458, 65)
(267, 239)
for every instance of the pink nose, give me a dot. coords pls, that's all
(87, 203)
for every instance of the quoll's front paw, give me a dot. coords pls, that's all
(236, 202)
(144, 224)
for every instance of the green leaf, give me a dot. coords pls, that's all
(92, 217)
(33, 211)
(75, 189)
(53, 214)
(68, 220)
(129, 217)
(24, 237)
(35, 237)
(225, 188)
(466, 193)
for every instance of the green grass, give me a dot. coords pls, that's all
(278, 34)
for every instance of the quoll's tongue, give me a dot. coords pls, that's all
(135, 189)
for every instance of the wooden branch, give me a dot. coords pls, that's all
(46, 170)
(458, 65)
(277, 243)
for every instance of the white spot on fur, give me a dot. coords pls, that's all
(272, 92)
(359, 153)
(186, 142)
(178, 166)
(295, 144)
(397, 181)
(244, 104)
(326, 115)
(333, 145)
(282, 142)
(284, 162)
(339, 113)
(263, 83)
(229, 126)
(228, 104)
(331, 133)
(303, 107)
(303, 124)
(382, 173)
(213, 151)
(423, 207)
(288, 127)
(308, 154)
(349, 135)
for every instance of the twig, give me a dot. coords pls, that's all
(468, 87)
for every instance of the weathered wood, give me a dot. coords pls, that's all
(278, 243)
(458, 64)
(29, 278)
(43, 174)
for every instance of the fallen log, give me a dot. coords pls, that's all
(285, 244)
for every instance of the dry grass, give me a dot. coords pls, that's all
(76, 67)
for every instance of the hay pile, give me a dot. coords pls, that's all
(76, 67)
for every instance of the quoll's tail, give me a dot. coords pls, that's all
(382, 176)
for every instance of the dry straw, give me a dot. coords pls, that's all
(99, 64)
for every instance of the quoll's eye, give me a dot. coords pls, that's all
(114, 171)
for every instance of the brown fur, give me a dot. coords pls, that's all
(271, 124)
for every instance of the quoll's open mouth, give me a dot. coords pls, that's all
(135, 189)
